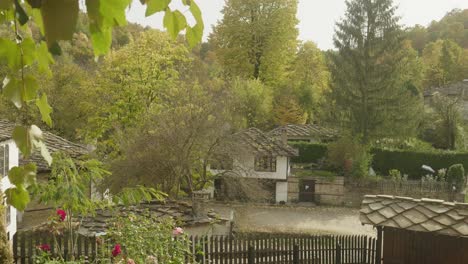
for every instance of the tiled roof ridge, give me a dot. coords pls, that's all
(426, 215)
(262, 142)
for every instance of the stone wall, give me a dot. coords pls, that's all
(334, 190)
(328, 190)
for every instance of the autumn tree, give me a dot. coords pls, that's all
(309, 79)
(368, 85)
(445, 63)
(131, 84)
(171, 148)
(251, 104)
(256, 38)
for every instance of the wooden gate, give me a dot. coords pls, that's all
(411, 247)
(307, 191)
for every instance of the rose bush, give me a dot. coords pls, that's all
(144, 239)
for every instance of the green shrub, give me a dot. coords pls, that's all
(456, 175)
(384, 160)
(5, 252)
(309, 152)
(361, 163)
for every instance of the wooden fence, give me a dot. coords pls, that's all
(323, 249)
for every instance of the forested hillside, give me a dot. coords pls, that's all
(252, 72)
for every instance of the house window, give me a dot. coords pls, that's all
(265, 163)
(4, 160)
(225, 163)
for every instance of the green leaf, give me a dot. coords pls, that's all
(17, 197)
(103, 16)
(153, 6)
(23, 175)
(174, 22)
(12, 91)
(44, 58)
(59, 19)
(23, 140)
(29, 51)
(10, 53)
(29, 88)
(45, 109)
(37, 17)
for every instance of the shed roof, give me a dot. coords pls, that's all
(306, 130)
(425, 215)
(53, 142)
(261, 143)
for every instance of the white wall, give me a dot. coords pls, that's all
(282, 191)
(5, 183)
(245, 166)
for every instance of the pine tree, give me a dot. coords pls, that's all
(371, 86)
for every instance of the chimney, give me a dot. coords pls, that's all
(284, 136)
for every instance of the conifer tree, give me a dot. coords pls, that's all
(372, 85)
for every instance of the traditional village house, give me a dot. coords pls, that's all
(10, 157)
(251, 154)
(457, 91)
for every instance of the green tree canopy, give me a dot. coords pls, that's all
(256, 38)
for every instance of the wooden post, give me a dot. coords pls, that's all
(338, 254)
(251, 257)
(296, 254)
(378, 255)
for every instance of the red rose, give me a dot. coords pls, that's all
(62, 214)
(44, 247)
(116, 251)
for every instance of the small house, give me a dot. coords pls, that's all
(417, 231)
(10, 157)
(253, 154)
(305, 132)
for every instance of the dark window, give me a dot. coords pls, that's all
(225, 163)
(265, 163)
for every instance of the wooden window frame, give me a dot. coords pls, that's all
(265, 163)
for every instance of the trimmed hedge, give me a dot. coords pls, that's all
(309, 152)
(407, 162)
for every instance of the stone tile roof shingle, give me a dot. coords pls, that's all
(179, 211)
(308, 131)
(264, 144)
(53, 142)
(425, 215)
(454, 89)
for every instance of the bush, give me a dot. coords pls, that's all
(309, 152)
(456, 176)
(361, 163)
(5, 252)
(143, 236)
(384, 160)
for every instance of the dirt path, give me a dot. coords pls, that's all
(285, 219)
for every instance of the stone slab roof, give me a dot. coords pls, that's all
(454, 89)
(53, 142)
(179, 211)
(261, 143)
(307, 131)
(424, 215)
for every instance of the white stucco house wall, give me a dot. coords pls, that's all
(253, 154)
(35, 213)
(9, 158)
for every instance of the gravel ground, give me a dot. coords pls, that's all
(289, 219)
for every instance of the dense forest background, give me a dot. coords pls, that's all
(153, 107)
